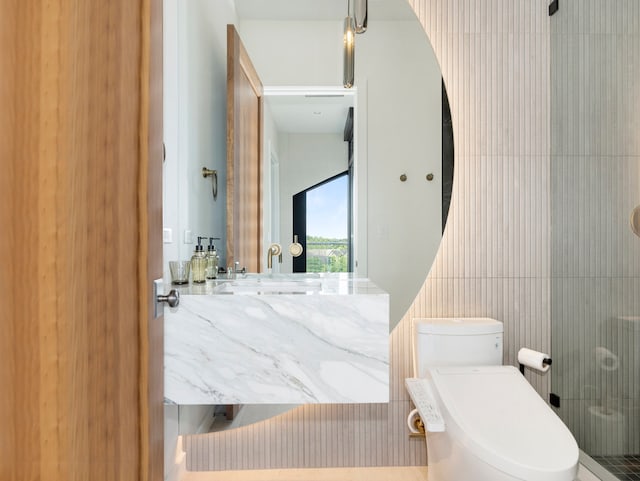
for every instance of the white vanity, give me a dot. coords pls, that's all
(290, 338)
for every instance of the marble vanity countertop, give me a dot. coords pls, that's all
(291, 339)
(261, 284)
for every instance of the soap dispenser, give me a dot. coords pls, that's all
(212, 260)
(199, 263)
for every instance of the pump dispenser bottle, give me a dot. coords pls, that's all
(212, 260)
(199, 263)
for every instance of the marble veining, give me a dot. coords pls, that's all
(256, 345)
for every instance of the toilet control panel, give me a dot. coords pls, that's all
(425, 403)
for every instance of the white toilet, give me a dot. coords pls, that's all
(494, 426)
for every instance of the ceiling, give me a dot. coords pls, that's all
(300, 114)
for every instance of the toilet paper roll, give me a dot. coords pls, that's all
(533, 359)
(411, 418)
(607, 360)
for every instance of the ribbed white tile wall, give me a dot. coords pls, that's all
(494, 257)
(595, 170)
(313, 436)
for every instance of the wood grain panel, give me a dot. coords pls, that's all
(8, 152)
(150, 257)
(75, 352)
(244, 157)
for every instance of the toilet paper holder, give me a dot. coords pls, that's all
(545, 362)
(416, 425)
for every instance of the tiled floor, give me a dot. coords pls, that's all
(625, 468)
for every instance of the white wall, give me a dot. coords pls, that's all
(270, 155)
(287, 53)
(195, 121)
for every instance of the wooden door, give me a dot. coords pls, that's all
(150, 260)
(80, 230)
(244, 157)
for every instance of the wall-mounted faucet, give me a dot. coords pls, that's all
(234, 270)
(296, 248)
(274, 250)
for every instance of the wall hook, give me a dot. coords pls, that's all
(214, 180)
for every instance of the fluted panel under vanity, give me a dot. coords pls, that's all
(326, 435)
(494, 257)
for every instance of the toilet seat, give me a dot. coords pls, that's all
(500, 418)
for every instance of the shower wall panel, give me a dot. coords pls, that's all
(595, 257)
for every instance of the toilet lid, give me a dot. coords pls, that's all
(505, 422)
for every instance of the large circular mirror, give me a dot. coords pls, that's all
(399, 166)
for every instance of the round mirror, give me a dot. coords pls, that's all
(397, 167)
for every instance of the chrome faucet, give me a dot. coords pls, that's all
(274, 250)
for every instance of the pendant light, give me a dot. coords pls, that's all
(349, 48)
(360, 14)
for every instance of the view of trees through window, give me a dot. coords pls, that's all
(327, 226)
(327, 255)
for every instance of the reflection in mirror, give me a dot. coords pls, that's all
(398, 127)
(396, 226)
(306, 177)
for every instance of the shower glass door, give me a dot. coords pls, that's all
(595, 256)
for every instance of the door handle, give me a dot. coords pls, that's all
(173, 298)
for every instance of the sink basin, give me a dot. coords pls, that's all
(270, 286)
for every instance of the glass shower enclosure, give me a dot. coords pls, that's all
(595, 255)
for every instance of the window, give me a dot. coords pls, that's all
(321, 221)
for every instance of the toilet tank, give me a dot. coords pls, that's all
(456, 341)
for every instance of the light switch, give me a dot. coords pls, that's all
(167, 235)
(188, 237)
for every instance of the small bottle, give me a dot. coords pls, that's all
(212, 260)
(199, 263)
